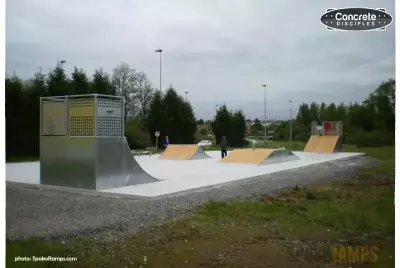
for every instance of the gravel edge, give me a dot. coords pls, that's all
(62, 215)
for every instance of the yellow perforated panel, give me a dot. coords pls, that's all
(81, 117)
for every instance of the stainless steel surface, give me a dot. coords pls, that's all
(200, 154)
(92, 155)
(67, 161)
(278, 156)
(96, 119)
(109, 117)
(337, 129)
(81, 96)
(53, 118)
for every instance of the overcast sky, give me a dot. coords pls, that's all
(220, 51)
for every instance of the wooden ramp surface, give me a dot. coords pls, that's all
(180, 151)
(321, 144)
(247, 156)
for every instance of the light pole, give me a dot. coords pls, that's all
(216, 108)
(265, 112)
(62, 62)
(159, 50)
(291, 130)
(186, 92)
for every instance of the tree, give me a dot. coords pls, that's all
(203, 131)
(231, 125)
(173, 117)
(15, 111)
(383, 101)
(137, 138)
(143, 94)
(256, 125)
(58, 83)
(102, 84)
(124, 79)
(200, 122)
(156, 117)
(37, 89)
(80, 82)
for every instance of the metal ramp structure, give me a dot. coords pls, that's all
(82, 143)
(259, 156)
(325, 140)
(183, 152)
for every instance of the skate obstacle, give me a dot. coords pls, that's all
(183, 152)
(82, 143)
(328, 141)
(259, 156)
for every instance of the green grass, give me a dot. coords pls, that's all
(21, 159)
(353, 212)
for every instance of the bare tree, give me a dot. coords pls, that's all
(124, 80)
(143, 94)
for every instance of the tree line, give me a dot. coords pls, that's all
(148, 110)
(369, 123)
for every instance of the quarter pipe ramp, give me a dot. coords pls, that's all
(183, 152)
(322, 144)
(259, 156)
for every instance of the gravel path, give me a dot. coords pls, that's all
(40, 212)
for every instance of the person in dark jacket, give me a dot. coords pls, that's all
(319, 126)
(166, 142)
(223, 143)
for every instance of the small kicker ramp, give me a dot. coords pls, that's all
(322, 144)
(259, 156)
(183, 152)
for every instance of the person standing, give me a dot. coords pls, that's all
(319, 126)
(223, 143)
(166, 141)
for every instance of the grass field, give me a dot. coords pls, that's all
(290, 230)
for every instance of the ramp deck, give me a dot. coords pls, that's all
(259, 156)
(183, 152)
(322, 144)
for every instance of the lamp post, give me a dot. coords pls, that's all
(62, 62)
(186, 92)
(265, 112)
(159, 51)
(291, 130)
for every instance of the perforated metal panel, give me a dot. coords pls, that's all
(109, 117)
(81, 117)
(93, 153)
(336, 128)
(53, 121)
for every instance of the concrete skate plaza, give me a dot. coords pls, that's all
(88, 182)
(181, 175)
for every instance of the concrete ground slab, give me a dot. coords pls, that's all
(180, 175)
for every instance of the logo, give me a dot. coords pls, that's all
(356, 19)
(335, 254)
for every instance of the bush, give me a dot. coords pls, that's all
(362, 138)
(137, 138)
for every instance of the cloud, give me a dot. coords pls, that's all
(220, 51)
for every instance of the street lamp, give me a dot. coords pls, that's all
(62, 62)
(265, 112)
(216, 107)
(159, 51)
(186, 92)
(291, 130)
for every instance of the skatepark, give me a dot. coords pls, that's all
(87, 168)
(97, 157)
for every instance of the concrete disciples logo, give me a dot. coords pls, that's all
(356, 19)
